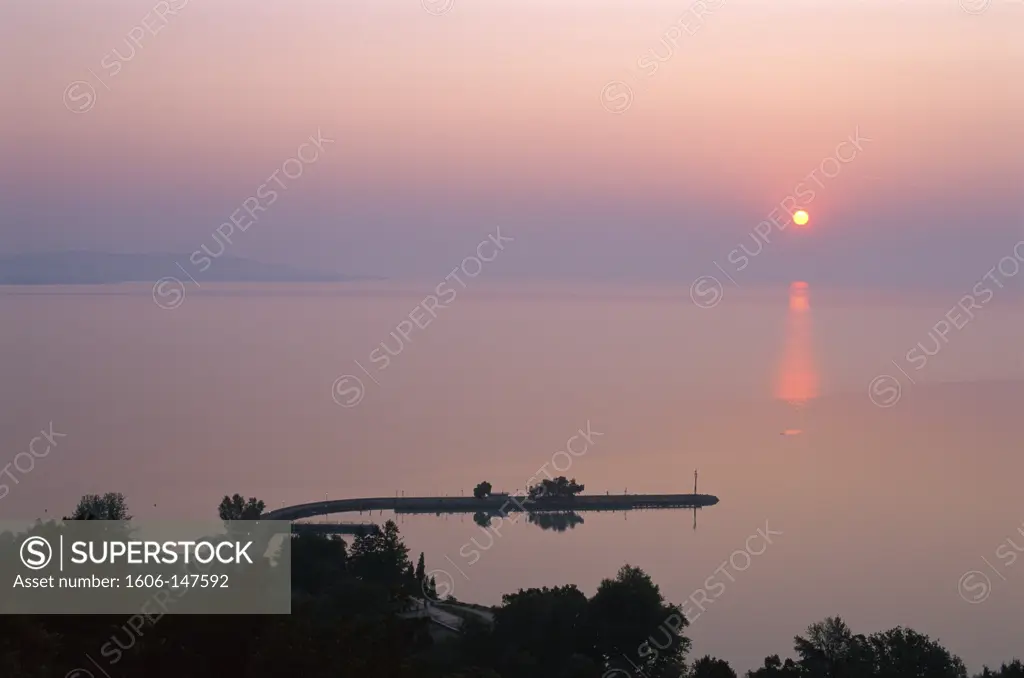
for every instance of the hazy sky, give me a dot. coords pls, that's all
(447, 123)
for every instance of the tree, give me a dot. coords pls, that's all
(1012, 670)
(421, 570)
(237, 508)
(774, 668)
(380, 556)
(902, 652)
(541, 626)
(628, 616)
(482, 490)
(554, 488)
(830, 650)
(712, 667)
(111, 506)
(411, 588)
(317, 561)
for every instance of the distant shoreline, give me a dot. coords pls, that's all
(101, 268)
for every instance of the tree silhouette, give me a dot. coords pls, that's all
(237, 508)
(554, 488)
(382, 557)
(421, 571)
(712, 667)
(318, 562)
(542, 624)
(775, 668)
(629, 616)
(1012, 670)
(831, 650)
(902, 652)
(482, 490)
(111, 506)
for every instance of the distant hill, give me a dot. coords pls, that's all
(93, 268)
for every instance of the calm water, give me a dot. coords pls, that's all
(881, 510)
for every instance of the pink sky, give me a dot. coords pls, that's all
(494, 112)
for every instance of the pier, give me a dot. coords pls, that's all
(335, 528)
(494, 504)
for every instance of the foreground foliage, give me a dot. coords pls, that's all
(357, 611)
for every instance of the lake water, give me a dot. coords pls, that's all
(882, 510)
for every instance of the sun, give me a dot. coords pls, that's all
(800, 218)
